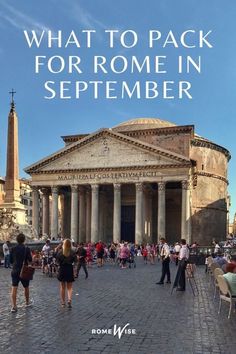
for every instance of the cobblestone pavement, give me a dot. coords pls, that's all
(164, 323)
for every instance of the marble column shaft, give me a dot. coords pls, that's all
(139, 214)
(185, 213)
(54, 214)
(161, 217)
(74, 213)
(45, 205)
(117, 213)
(35, 220)
(95, 213)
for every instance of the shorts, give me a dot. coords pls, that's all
(16, 279)
(100, 255)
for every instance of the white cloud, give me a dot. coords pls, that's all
(89, 21)
(86, 19)
(20, 20)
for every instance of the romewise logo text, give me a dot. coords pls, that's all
(115, 331)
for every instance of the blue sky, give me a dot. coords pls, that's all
(41, 122)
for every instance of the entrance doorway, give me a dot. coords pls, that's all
(128, 223)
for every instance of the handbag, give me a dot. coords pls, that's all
(27, 271)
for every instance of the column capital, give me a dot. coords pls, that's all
(94, 187)
(161, 186)
(186, 184)
(139, 187)
(55, 189)
(74, 188)
(116, 186)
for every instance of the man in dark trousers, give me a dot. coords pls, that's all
(18, 255)
(81, 256)
(165, 256)
(179, 282)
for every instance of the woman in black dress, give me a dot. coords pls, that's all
(66, 258)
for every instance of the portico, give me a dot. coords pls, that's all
(97, 213)
(108, 186)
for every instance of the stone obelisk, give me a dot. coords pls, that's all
(12, 184)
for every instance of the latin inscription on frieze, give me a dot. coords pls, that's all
(108, 175)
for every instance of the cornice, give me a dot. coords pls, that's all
(204, 207)
(159, 131)
(115, 169)
(73, 138)
(210, 145)
(212, 175)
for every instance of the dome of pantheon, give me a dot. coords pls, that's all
(142, 123)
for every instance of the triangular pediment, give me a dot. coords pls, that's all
(106, 149)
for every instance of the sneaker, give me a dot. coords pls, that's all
(69, 305)
(14, 309)
(160, 283)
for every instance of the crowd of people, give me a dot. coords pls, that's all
(68, 258)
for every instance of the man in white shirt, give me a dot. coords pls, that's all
(165, 256)
(176, 250)
(217, 247)
(46, 248)
(6, 253)
(183, 258)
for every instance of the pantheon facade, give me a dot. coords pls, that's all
(139, 181)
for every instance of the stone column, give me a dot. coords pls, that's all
(185, 214)
(139, 214)
(88, 216)
(74, 213)
(82, 215)
(35, 219)
(117, 213)
(62, 210)
(45, 205)
(94, 213)
(161, 216)
(54, 215)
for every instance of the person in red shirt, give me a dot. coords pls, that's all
(145, 254)
(100, 253)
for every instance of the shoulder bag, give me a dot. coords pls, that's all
(27, 271)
